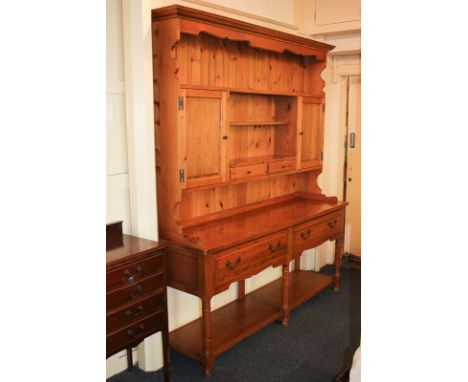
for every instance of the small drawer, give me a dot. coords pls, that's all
(128, 294)
(238, 264)
(134, 312)
(134, 272)
(281, 166)
(135, 333)
(313, 233)
(242, 172)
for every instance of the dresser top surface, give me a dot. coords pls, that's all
(227, 232)
(131, 246)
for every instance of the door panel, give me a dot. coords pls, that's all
(205, 148)
(311, 134)
(353, 181)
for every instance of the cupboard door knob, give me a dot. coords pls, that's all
(332, 224)
(305, 235)
(231, 266)
(274, 249)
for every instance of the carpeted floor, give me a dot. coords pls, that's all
(322, 336)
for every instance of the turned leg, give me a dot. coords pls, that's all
(167, 360)
(207, 359)
(285, 296)
(338, 254)
(129, 359)
(241, 290)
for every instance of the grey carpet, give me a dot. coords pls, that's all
(322, 336)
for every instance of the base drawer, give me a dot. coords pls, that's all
(243, 262)
(311, 234)
(128, 294)
(135, 333)
(133, 312)
(132, 273)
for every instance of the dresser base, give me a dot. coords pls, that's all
(241, 318)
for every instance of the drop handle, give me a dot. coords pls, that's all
(272, 248)
(306, 235)
(139, 310)
(332, 224)
(231, 266)
(134, 333)
(131, 276)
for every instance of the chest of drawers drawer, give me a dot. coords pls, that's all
(134, 312)
(134, 292)
(135, 332)
(134, 272)
(311, 234)
(238, 264)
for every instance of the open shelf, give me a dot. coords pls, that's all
(241, 318)
(258, 123)
(259, 159)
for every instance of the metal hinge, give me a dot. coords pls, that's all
(180, 103)
(181, 175)
(321, 156)
(323, 107)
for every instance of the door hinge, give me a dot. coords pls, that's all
(181, 175)
(323, 107)
(180, 103)
(321, 156)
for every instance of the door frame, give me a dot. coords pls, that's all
(331, 180)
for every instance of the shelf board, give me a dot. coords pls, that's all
(241, 318)
(258, 123)
(259, 159)
(320, 95)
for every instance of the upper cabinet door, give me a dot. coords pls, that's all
(203, 143)
(311, 133)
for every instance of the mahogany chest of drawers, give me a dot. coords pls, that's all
(136, 300)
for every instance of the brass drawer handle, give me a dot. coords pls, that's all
(306, 235)
(332, 224)
(136, 292)
(139, 310)
(231, 266)
(274, 249)
(137, 332)
(131, 276)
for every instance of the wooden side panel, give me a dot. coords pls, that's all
(166, 71)
(182, 270)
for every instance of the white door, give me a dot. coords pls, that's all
(352, 190)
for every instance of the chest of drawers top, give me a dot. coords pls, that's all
(132, 249)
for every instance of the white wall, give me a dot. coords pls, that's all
(118, 201)
(131, 188)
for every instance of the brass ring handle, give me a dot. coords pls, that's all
(136, 292)
(306, 235)
(231, 266)
(332, 224)
(134, 333)
(274, 249)
(139, 310)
